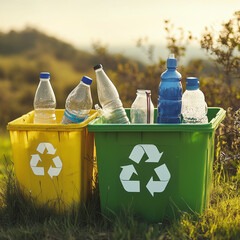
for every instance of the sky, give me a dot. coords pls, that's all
(113, 22)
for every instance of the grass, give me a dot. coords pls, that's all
(5, 146)
(21, 219)
(5, 151)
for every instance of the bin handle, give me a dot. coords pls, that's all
(220, 116)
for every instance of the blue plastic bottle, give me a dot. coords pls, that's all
(170, 94)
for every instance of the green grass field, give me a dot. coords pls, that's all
(21, 219)
(5, 150)
(5, 146)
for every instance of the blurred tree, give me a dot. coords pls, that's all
(109, 60)
(2, 73)
(224, 46)
(148, 49)
(176, 39)
(228, 143)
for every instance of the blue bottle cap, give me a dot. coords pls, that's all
(87, 80)
(45, 75)
(192, 83)
(171, 61)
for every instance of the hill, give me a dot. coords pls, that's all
(24, 54)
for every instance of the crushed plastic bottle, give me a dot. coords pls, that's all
(79, 103)
(112, 108)
(98, 109)
(142, 109)
(194, 107)
(170, 94)
(44, 101)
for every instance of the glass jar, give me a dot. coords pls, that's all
(142, 109)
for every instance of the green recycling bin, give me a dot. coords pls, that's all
(156, 170)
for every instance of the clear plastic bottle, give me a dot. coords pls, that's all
(113, 111)
(44, 101)
(79, 103)
(142, 109)
(170, 94)
(194, 107)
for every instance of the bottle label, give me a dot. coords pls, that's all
(73, 117)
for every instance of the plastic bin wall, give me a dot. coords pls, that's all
(53, 162)
(155, 169)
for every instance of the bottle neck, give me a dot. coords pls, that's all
(100, 73)
(45, 79)
(171, 68)
(84, 84)
(192, 88)
(143, 95)
(99, 70)
(144, 92)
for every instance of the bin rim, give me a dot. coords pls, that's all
(18, 124)
(94, 126)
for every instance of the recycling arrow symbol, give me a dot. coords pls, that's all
(154, 156)
(125, 176)
(35, 159)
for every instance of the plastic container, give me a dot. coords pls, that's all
(170, 94)
(44, 101)
(112, 108)
(194, 107)
(142, 109)
(156, 169)
(79, 103)
(53, 162)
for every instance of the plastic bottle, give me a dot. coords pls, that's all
(194, 107)
(79, 103)
(112, 108)
(44, 101)
(170, 94)
(142, 109)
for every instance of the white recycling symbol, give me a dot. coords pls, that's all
(154, 156)
(52, 171)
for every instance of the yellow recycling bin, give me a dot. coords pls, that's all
(53, 162)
